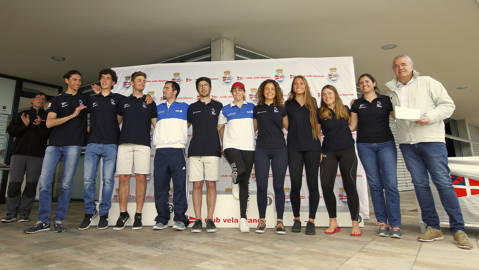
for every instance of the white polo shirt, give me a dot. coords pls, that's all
(239, 128)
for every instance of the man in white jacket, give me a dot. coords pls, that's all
(422, 144)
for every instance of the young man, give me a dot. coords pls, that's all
(31, 135)
(102, 144)
(68, 119)
(204, 152)
(169, 138)
(134, 148)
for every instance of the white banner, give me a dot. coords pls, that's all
(338, 71)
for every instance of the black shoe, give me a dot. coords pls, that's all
(103, 223)
(296, 226)
(261, 226)
(9, 219)
(121, 222)
(137, 225)
(38, 227)
(210, 226)
(280, 228)
(58, 227)
(23, 219)
(197, 226)
(310, 228)
(85, 224)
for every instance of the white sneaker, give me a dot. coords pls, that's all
(243, 224)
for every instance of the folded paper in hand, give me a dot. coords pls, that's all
(405, 113)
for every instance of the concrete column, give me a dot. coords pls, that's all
(222, 49)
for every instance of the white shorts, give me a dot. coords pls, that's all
(133, 156)
(203, 168)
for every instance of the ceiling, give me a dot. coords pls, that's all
(442, 36)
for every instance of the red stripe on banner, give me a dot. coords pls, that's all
(461, 192)
(474, 191)
(473, 182)
(457, 181)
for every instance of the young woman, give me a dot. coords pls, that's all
(269, 120)
(304, 149)
(235, 125)
(338, 148)
(378, 154)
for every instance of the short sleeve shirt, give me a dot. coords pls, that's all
(300, 133)
(74, 131)
(270, 126)
(204, 119)
(373, 119)
(239, 128)
(136, 125)
(337, 135)
(104, 128)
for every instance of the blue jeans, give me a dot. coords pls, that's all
(431, 157)
(53, 154)
(93, 153)
(380, 164)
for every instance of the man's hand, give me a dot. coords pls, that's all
(25, 119)
(423, 121)
(95, 88)
(78, 110)
(37, 121)
(148, 99)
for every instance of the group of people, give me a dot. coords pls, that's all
(247, 134)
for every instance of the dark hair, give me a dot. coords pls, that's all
(175, 86)
(40, 94)
(70, 73)
(371, 78)
(110, 71)
(136, 74)
(202, 79)
(278, 99)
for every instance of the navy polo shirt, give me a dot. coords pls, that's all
(337, 135)
(136, 123)
(204, 118)
(300, 133)
(74, 131)
(104, 126)
(373, 119)
(270, 126)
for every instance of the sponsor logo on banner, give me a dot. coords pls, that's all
(342, 196)
(176, 78)
(252, 95)
(279, 76)
(127, 82)
(333, 75)
(464, 186)
(227, 78)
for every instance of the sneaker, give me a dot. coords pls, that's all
(310, 228)
(210, 226)
(23, 219)
(103, 223)
(160, 226)
(243, 224)
(197, 226)
(261, 226)
(383, 230)
(280, 228)
(234, 173)
(58, 226)
(296, 226)
(85, 224)
(462, 241)
(430, 235)
(179, 226)
(121, 222)
(9, 219)
(38, 227)
(137, 224)
(396, 234)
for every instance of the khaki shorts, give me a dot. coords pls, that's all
(203, 168)
(133, 156)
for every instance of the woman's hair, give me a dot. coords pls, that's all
(278, 98)
(371, 78)
(339, 109)
(310, 104)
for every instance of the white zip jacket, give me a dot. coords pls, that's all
(431, 98)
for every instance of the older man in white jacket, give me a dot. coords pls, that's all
(422, 144)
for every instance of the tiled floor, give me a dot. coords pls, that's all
(229, 249)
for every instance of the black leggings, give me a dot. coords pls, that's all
(310, 160)
(277, 159)
(243, 161)
(348, 164)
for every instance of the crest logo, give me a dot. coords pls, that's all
(127, 82)
(252, 95)
(227, 78)
(80, 102)
(276, 109)
(94, 104)
(333, 75)
(144, 105)
(213, 112)
(112, 101)
(176, 77)
(64, 104)
(279, 76)
(379, 104)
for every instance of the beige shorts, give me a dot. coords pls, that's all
(203, 168)
(133, 156)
